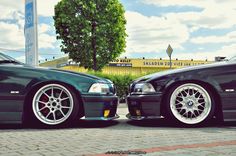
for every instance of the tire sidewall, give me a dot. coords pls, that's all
(169, 114)
(31, 120)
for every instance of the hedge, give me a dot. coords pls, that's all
(121, 82)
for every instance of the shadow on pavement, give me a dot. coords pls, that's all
(95, 124)
(79, 124)
(122, 124)
(164, 123)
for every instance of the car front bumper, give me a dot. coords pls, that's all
(144, 106)
(97, 107)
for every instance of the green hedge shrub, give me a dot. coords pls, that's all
(121, 82)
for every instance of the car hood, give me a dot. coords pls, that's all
(180, 70)
(54, 70)
(82, 74)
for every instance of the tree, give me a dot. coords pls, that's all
(92, 31)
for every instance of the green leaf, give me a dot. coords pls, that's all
(91, 28)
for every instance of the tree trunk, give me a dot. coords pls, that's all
(94, 46)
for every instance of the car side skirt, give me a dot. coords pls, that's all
(228, 106)
(11, 110)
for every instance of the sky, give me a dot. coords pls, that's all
(196, 29)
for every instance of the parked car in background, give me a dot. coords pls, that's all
(52, 97)
(189, 96)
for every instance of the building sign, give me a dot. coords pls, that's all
(31, 36)
(122, 61)
(29, 15)
(120, 64)
(154, 63)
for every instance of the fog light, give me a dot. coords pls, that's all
(138, 112)
(106, 113)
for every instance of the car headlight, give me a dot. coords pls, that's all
(144, 88)
(101, 88)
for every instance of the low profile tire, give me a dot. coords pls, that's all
(54, 105)
(190, 104)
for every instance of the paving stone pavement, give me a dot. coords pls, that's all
(124, 137)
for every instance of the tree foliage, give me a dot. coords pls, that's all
(92, 31)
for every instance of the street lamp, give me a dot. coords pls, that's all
(169, 51)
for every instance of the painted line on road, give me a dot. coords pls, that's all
(172, 148)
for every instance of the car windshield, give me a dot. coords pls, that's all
(7, 59)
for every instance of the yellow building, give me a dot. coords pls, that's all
(129, 66)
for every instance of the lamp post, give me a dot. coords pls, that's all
(169, 52)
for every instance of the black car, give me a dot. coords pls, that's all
(190, 96)
(52, 97)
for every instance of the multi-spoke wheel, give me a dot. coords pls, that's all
(190, 104)
(54, 104)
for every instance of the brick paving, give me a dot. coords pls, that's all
(155, 138)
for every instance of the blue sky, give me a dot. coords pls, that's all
(199, 29)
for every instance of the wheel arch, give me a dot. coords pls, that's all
(33, 90)
(209, 87)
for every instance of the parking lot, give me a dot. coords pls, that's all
(120, 137)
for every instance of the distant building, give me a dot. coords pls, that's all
(128, 65)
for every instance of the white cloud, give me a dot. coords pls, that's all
(46, 7)
(8, 7)
(153, 34)
(44, 28)
(215, 14)
(11, 33)
(46, 41)
(205, 19)
(228, 38)
(11, 36)
(226, 51)
(146, 33)
(12, 29)
(192, 3)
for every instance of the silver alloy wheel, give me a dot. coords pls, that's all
(190, 103)
(52, 104)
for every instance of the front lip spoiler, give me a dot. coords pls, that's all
(101, 118)
(138, 118)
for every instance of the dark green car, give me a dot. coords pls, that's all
(51, 96)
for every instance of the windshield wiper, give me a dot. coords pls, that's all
(8, 61)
